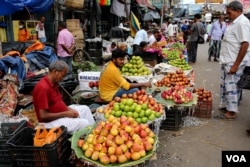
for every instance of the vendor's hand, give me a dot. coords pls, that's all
(72, 114)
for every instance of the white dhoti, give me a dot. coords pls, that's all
(74, 124)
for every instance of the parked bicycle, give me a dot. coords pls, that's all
(80, 54)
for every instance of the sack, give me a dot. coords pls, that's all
(200, 39)
(43, 137)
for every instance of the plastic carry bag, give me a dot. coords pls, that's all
(200, 39)
(43, 137)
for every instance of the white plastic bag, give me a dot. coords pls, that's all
(205, 37)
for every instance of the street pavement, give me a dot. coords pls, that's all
(202, 145)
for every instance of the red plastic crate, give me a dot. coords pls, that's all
(203, 109)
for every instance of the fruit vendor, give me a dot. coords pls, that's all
(142, 49)
(112, 83)
(50, 107)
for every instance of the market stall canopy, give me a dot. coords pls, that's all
(151, 15)
(177, 20)
(178, 12)
(11, 6)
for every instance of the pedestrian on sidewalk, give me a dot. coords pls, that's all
(196, 27)
(214, 36)
(233, 57)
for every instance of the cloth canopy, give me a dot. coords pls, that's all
(8, 7)
(151, 15)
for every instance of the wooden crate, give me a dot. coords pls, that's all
(203, 109)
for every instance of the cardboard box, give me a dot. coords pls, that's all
(150, 62)
(86, 77)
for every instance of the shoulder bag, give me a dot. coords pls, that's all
(244, 82)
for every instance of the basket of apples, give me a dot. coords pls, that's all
(115, 142)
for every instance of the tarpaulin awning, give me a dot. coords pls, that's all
(151, 15)
(8, 7)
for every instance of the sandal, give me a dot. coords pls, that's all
(222, 116)
(228, 116)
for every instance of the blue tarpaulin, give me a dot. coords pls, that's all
(8, 7)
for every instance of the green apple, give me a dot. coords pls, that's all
(129, 102)
(126, 108)
(138, 108)
(144, 120)
(138, 120)
(148, 112)
(118, 113)
(135, 115)
(129, 114)
(157, 114)
(144, 106)
(116, 106)
(142, 114)
(151, 117)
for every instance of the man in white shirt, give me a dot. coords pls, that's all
(233, 58)
(40, 30)
(208, 17)
(170, 29)
(141, 35)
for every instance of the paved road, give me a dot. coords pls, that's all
(202, 145)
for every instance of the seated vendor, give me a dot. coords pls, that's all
(142, 49)
(112, 83)
(111, 47)
(159, 38)
(50, 107)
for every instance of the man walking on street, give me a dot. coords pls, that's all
(194, 32)
(233, 57)
(214, 36)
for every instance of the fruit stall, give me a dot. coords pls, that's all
(127, 128)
